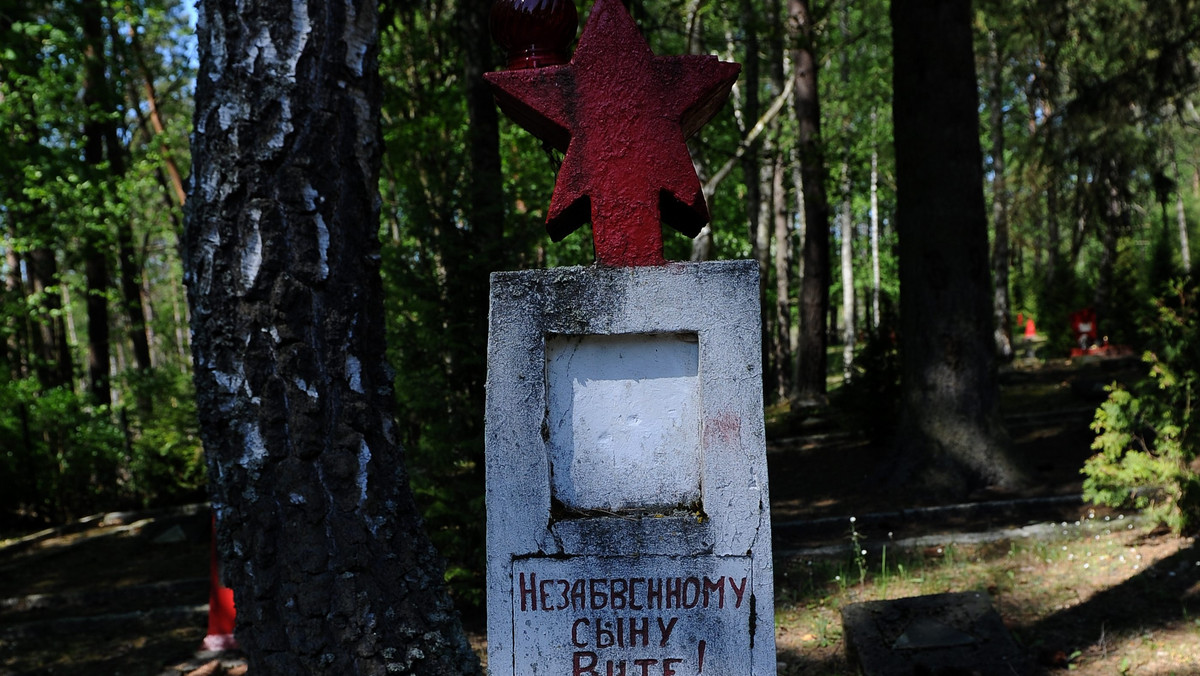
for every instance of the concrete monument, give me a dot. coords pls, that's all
(628, 520)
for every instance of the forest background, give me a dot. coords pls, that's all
(1092, 176)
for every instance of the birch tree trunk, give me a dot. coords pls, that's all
(1185, 247)
(1000, 243)
(847, 215)
(847, 265)
(317, 529)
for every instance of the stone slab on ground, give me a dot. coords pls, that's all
(957, 634)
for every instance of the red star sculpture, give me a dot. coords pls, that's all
(622, 115)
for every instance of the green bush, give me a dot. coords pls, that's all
(63, 457)
(165, 462)
(1146, 434)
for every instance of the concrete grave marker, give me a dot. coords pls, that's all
(628, 526)
(628, 517)
(941, 633)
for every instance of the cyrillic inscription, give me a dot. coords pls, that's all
(632, 616)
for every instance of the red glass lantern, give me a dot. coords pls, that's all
(534, 33)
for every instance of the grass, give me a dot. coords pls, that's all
(1102, 597)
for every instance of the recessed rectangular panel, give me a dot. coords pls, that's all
(624, 420)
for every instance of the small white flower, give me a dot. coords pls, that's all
(852, 519)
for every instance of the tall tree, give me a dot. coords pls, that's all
(1000, 237)
(951, 438)
(846, 216)
(815, 268)
(317, 527)
(99, 149)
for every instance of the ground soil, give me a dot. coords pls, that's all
(127, 594)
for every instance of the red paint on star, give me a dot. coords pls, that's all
(622, 115)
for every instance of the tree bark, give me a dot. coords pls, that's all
(951, 438)
(847, 269)
(317, 529)
(1000, 243)
(96, 130)
(783, 280)
(875, 280)
(750, 159)
(52, 352)
(486, 179)
(814, 283)
(847, 213)
(1185, 247)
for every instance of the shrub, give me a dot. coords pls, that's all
(1146, 434)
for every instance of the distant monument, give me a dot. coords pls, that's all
(628, 519)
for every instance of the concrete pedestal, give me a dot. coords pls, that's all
(628, 516)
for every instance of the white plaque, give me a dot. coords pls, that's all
(624, 420)
(629, 616)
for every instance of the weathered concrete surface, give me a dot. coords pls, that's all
(624, 419)
(540, 527)
(622, 115)
(951, 634)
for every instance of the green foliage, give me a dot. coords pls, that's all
(1147, 436)
(63, 457)
(165, 462)
(68, 195)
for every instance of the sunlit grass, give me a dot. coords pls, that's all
(1045, 589)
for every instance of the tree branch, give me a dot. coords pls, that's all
(751, 136)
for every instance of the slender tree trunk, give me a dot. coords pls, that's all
(156, 121)
(1185, 247)
(317, 527)
(784, 348)
(801, 238)
(761, 248)
(1000, 263)
(783, 287)
(483, 135)
(96, 272)
(131, 295)
(847, 269)
(847, 215)
(1053, 243)
(951, 438)
(15, 285)
(875, 279)
(1112, 221)
(750, 111)
(814, 284)
(50, 335)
